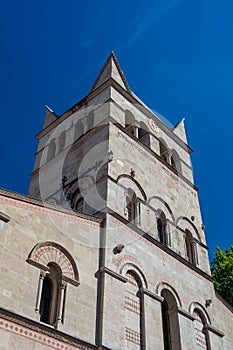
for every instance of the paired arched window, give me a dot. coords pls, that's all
(133, 207)
(170, 321)
(169, 156)
(137, 129)
(134, 197)
(57, 269)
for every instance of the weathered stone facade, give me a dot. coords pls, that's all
(109, 251)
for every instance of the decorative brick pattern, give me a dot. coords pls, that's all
(132, 280)
(49, 253)
(133, 336)
(132, 305)
(35, 336)
(132, 312)
(120, 261)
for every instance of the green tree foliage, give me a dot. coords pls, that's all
(222, 272)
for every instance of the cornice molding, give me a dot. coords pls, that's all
(186, 314)
(114, 274)
(215, 330)
(140, 105)
(151, 295)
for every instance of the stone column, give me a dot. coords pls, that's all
(136, 131)
(60, 302)
(137, 213)
(39, 291)
(167, 233)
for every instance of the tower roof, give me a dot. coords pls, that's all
(179, 130)
(111, 69)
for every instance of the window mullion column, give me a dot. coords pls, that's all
(60, 302)
(39, 291)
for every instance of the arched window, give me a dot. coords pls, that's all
(175, 161)
(190, 247)
(53, 289)
(133, 207)
(57, 268)
(201, 332)
(170, 322)
(133, 313)
(51, 150)
(162, 228)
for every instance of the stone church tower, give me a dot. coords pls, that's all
(108, 251)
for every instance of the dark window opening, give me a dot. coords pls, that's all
(133, 208)
(46, 300)
(161, 228)
(166, 326)
(170, 321)
(190, 247)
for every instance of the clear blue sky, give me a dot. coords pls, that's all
(177, 56)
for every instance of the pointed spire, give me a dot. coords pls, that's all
(50, 116)
(179, 130)
(111, 69)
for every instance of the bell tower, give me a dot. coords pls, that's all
(111, 156)
(111, 153)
